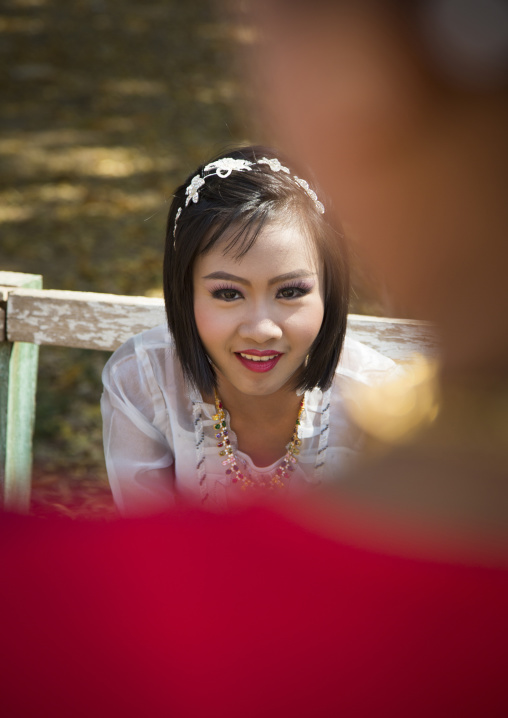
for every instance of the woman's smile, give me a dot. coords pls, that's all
(259, 361)
(257, 319)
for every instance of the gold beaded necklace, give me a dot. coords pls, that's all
(229, 460)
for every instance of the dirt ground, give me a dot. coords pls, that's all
(106, 106)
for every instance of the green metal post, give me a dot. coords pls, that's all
(5, 356)
(18, 383)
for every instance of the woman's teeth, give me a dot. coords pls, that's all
(252, 357)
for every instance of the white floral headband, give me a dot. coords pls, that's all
(223, 169)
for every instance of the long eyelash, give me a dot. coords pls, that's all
(297, 284)
(301, 284)
(216, 291)
(222, 287)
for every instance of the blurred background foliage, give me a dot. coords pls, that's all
(107, 105)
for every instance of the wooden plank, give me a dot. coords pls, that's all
(399, 339)
(79, 319)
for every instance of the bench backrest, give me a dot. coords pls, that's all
(31, 316)
(104, 321)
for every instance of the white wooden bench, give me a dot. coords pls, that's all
(31, 316)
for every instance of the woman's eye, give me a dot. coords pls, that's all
(227, 295)
(292, 292)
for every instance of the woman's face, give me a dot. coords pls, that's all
(258, 316)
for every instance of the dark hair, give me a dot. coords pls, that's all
(240, 205)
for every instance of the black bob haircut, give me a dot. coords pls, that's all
(237, 207)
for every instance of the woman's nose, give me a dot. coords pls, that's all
(260, 327)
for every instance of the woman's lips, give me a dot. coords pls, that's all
(258, 361)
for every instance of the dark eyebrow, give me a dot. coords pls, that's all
(297, 274)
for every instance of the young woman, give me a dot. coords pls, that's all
(242, 396)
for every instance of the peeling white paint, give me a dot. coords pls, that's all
(79, 319)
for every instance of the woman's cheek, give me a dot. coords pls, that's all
(214, 322)
(304, 325)
(205, 318)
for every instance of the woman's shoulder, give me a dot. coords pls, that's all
(147, 357)
(359, 367)
(156, 341)
(361, 363)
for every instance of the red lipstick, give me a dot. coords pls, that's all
(259, 365)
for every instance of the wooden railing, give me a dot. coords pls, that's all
(31, 316)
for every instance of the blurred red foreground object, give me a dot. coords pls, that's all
(244, 615)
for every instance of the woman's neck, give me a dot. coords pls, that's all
(263, 424)
(258, 408)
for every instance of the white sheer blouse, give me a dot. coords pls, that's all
(159, 438)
